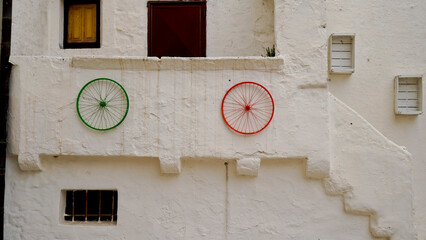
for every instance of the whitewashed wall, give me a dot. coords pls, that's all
(234, 28)
(389, 41)
(175, 114)
(372, 174)
(200, 203)
(175, 110)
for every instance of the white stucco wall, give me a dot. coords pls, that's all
(240, 28)
(175, 110)
(369, 173)
(372, 173)
(389, 41)
(234, 28)
(200, 203)
(174, 124)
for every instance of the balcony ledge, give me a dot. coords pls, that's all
(178, 63)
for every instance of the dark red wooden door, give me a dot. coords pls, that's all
(177, 29)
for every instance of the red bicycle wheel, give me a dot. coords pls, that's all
(247, 108)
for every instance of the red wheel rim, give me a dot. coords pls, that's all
(247, 108)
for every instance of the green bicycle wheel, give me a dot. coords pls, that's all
(102, 104)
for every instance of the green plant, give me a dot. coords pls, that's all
(270, 52)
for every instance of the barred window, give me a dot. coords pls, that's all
(91, 205)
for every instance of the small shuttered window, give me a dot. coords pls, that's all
(341, 53)
(81, 24)
(408, 95)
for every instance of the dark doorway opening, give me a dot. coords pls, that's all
(177, 29)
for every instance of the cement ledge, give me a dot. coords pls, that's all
(248, 166)
(178, 63)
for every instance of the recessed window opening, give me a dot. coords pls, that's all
(177, 29)
(91, 206)
(81, 23)
(200, 28)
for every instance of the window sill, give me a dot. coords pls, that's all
(91, 223)
(408, 112)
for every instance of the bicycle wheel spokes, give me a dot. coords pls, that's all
(247, 108)
(102, 104)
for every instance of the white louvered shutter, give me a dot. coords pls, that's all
(341, 53)
(408, 94)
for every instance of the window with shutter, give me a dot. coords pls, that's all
(408, 94)
(81, 28)
(341, 53)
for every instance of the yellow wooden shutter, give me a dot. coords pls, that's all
(82, 23)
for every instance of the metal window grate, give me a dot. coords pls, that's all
(91, 205)
(408, 95)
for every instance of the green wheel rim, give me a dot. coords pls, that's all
(102, 104)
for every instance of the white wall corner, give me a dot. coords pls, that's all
(29, 162)
(248, 166)
(170, 164)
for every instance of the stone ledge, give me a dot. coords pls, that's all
(170, 164)
(29, 161)
(248, 166)
(177, 63)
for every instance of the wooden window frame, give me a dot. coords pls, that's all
(203, 23)
(96, 44)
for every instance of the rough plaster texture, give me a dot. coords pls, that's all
(174, 125)
(248, 166)
(240, 28)
(371, 172)
(389, 41)
(301, 39)
(170, 164)
(200, 203)
(360, 154)
(234, 28)
(210, 200)
(174, 110)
